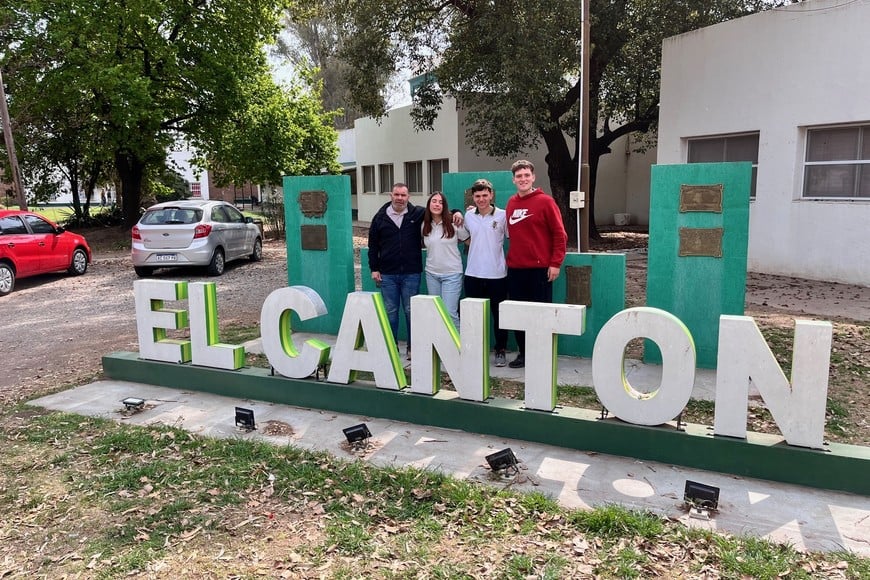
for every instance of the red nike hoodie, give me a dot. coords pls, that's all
(537, 234)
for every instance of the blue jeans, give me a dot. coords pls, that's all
(449, 288)
(396, 289)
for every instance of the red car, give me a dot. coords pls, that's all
(31, 245)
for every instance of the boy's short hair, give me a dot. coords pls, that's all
(522, 164)
(482, 184)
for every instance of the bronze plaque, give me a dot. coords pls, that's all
(701, 242)
(314, 237)
(313, 203)
(578, 285)
(701, 198)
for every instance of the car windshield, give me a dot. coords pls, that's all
(170, 216)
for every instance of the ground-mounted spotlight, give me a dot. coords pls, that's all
(357, 433)
(245, 419)
(502, 460)
(701, 499)
(133, 404)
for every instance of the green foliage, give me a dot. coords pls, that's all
(514, 66)
(314, 42)
(95, 86)
(169, 185)
(100, 217)
(282, 131)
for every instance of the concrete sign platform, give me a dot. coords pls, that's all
(807, 518)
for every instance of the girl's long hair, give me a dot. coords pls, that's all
(446, 217)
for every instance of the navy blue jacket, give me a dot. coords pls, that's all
(395, 250)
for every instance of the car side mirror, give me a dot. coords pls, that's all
(59, 230)
(249, 220)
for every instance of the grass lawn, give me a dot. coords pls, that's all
(88, 497)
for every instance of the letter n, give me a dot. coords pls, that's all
(797, 408)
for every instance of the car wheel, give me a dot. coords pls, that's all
(257, 254)
(79, 264)
(7, 279)
(143, 271)
(217, 264)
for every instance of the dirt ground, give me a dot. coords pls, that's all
(56, 327)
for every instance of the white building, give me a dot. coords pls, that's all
(788, 89)
(391, 150)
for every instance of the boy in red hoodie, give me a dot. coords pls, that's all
(537, 245)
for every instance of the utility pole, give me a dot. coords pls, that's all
(10, 147)
(583, 154)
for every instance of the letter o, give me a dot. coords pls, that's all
(678, 366)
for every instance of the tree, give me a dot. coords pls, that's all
(141, 74)
(282, 131)
(514, 67)
(312, 38)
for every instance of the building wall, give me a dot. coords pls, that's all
(394, 140)
(623, 183)
(623, 178)
(778, 73)
(237, 194)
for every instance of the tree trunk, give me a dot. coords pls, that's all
(74, 190)
(562, 171)
(594, 158)
(131, 170)
(91, 184)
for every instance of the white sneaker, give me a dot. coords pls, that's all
(500, 359)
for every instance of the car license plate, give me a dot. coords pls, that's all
(167, 257)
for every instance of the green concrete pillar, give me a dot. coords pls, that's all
(698, 244)
(597, 281)
(317, 213)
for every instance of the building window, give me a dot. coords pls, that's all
(369, 179)
(728, 148)
(385, 175)
(838, 162)
(437, 168)
(414, 176)
(195, 189)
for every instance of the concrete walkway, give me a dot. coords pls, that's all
(804, 517)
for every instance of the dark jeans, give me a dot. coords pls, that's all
(528, 285)
(496, 290)
(397, 290)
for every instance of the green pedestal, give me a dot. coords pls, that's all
(317, 213)
(698, 288)
(606, 288)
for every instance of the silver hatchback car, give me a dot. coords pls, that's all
(194, 232)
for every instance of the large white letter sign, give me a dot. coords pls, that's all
(207, 349)
(152, 320)
(277, 334)
(542, 323)
(365, 343)
(678, 366)
(799, 408)
(435, 339)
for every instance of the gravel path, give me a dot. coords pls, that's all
(56, 328)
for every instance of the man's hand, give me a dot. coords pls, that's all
(552, 273)
(376, 276)
(458, 218)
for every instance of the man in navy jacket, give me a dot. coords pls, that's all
(395, 256)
